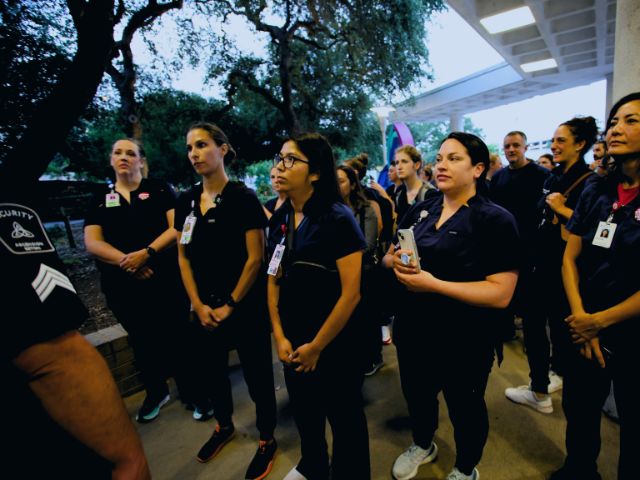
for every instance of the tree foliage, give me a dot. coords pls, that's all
(429, 135)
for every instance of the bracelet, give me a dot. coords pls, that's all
(151, 251)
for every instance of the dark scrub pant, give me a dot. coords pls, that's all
(154, 316)
(332, 392)
(586, 387)
(547, 305)
(430, 364)
(253, 343)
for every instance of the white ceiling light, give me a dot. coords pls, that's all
(516, 18)
(539, 65)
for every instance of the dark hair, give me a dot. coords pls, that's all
(626, 99)
(218, 136)
(549, 157)
(357, 198)
(321, 161)
(583, 129)
(478, 152)
(615, 172)
(428, 172)
(359, 163)
(603, 142)
(517, 132)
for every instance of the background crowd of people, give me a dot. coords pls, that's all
(194, 276)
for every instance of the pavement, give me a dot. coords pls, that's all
(523, 444)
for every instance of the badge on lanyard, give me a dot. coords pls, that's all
(112, 200)
(604, 234)
(187, 229)
(278, 253)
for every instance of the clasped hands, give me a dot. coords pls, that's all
(134, 264)
(585, 328)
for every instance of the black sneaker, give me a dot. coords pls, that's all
(219, 439)
(262, 461)
(373, 368)
(150, 409)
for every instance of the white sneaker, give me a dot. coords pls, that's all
(406, 465)
(555, 382)
(294, 474)
(456, 474)
(524, 396)
(386, 335)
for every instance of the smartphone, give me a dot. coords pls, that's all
(408, 242)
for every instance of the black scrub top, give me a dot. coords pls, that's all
(133, 226)
(218, 247)
(310, 283)
(479, 240)
(608, 276)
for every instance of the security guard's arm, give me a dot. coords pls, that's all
(350, 270)
(77, 390)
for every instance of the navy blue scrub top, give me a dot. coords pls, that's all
(479, 240)
(310, 284)
(608, 276)
(218, 247)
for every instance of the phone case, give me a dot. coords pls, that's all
(408, 242)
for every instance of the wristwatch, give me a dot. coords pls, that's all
(151, 251)
(231, 302)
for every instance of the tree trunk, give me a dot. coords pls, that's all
(56, 115)
(292, 122)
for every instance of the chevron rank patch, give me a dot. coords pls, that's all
(48, 279)
(21, 231)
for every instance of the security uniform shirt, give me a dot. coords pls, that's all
(133, 226)
(218, 248)
(608, 276)
(461, 250)
(310, 283)
(40, 304)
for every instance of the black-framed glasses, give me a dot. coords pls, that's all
(287, 160)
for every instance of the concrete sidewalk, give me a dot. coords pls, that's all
(523, 444)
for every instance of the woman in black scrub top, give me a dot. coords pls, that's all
(445, 329)
(129, 231)
(220, 244)
(312, 293)
(603, 288)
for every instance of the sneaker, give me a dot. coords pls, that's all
(150, 409)
(456, 474)
(375, 366)
(202, 415)
(294, 474)
(262, 462)
(555, 382)
(524, 396)
(406, 465)
(386, 335)
(212, 447)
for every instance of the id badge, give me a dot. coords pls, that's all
(274, 263)
(112, 200)
(187, 229)
(604, 234)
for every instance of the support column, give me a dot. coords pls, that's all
(609, 95)
(626, 64)
(455, 122)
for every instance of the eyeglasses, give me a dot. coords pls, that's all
(288, 160)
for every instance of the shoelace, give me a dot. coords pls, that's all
(416, 452)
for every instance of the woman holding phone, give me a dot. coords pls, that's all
(454, 286)
(600, 274)
(313, 289)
